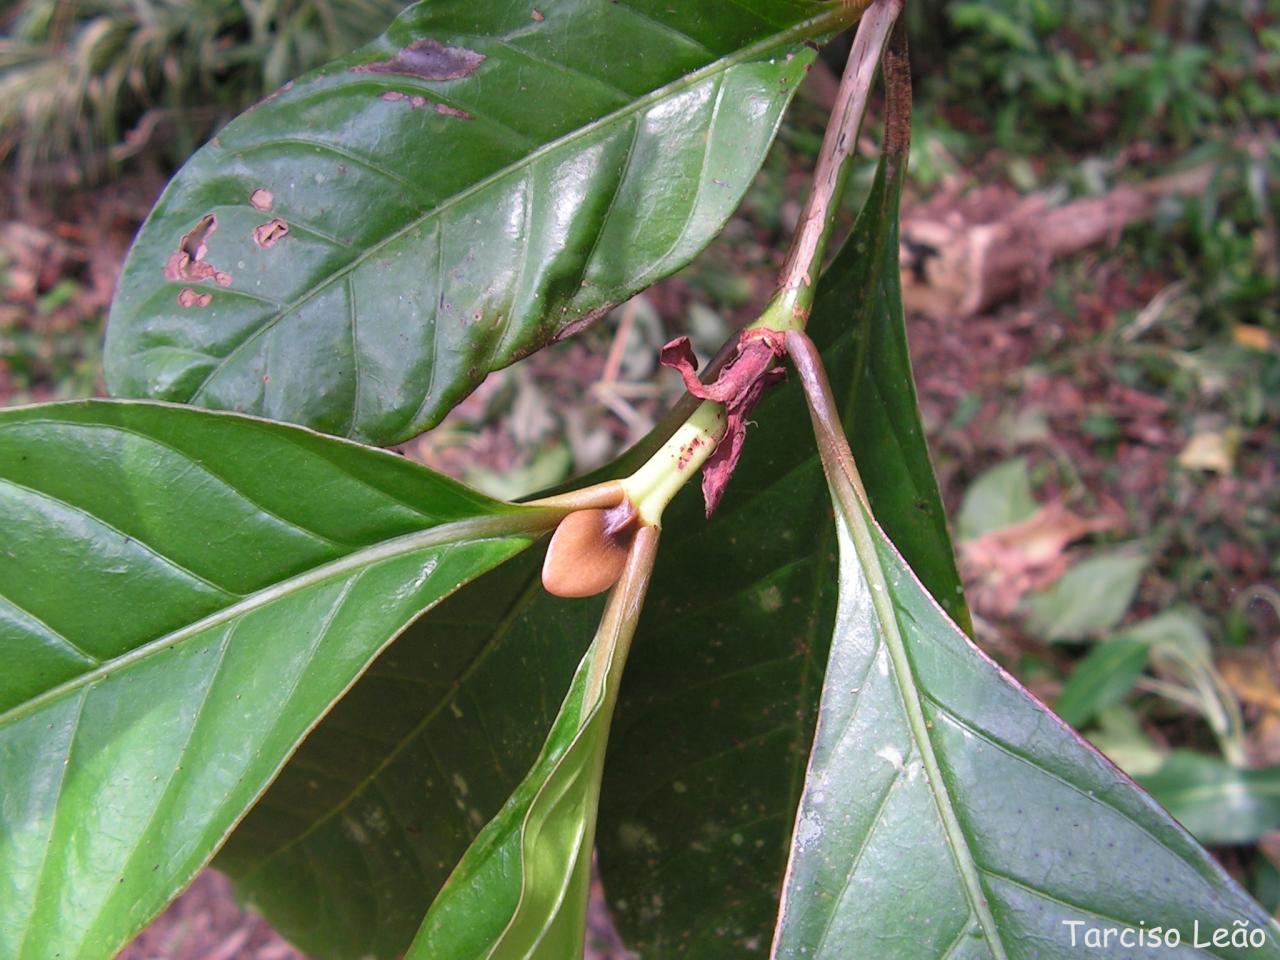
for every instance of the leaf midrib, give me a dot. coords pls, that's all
(490, 527)
(814, 26)
(852, 510)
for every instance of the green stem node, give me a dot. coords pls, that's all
(651, 487)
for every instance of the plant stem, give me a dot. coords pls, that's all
(621, 614)
(789, 309)
(598, 496)
(652, 486)
(833, 447)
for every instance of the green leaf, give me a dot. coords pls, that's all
(707, 756)
(483, 179)
(1102, 679)
(1182, 657)
(1179, 631)
(947, 813)
(1264, 884)
(182, 597)
(521, 889)
(1105, 676)
(1090, 598)
(876, 386)
(1000, 497)
(1120, 736)
(1216, 801)
(348, 847)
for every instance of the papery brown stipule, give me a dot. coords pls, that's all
(739, 387)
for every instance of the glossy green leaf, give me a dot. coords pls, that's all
(707, 757)
(348, 847)
(947, 813)
(1000, 497)
(521, 889)
(182, 597)
(1216, 801)
(1090, 598)
(359, 251)
(1101, 679)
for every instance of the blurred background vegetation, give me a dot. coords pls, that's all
(1104, 430)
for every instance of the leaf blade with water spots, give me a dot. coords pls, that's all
(359, 252)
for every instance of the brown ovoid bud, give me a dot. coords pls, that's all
(588, 551)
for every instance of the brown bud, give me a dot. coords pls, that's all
(588, 551)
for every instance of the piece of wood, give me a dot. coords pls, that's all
(962, 256)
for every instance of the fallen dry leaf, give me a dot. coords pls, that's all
(1250, 336)
(1214, 451)
(1001, 566)
(1253, 675)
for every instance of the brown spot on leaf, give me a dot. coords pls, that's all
(739, 387)
(188, 262)
(174, 266)
(267, 235)
(262, 199)
(416, 101)
(271, 96)
(428, 59)
(193, 242)
(189, 298)
(395, 96)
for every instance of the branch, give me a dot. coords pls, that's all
(796, 282)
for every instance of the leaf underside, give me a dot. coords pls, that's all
(364, 247)
(174, 619)
(947, 813)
